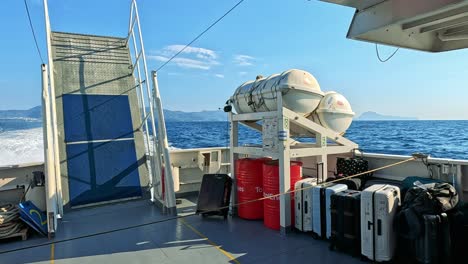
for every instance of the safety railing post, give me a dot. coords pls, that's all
(58, 175)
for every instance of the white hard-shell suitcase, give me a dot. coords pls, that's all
(321, 213)
(379, 204)
(303, 206)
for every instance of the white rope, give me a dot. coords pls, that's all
(9, 220)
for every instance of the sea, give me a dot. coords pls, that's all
(21, 138)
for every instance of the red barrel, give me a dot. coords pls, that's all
(271, 206)
(249, 176)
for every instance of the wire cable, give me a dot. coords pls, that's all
(206, 211)
(32, 30)
(389, 57)
(199, 35)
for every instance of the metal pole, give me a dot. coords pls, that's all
(284, 167)
(234, 142)
(51, 202)
(58, 175)
(321, 142)
(143, 106)
(156, 154)
(169, 181)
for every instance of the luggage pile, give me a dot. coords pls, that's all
(419, 220)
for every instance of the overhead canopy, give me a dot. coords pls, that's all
(428, 25)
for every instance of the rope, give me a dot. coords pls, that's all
(9, 220)
(189, 215)
(320, 184)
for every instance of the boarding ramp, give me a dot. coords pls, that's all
(101, 145)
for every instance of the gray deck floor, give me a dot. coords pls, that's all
(192, 240)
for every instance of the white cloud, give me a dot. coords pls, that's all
(200, 53)
(242, 73)
(243, 60)
(219, 75)
(195, 57)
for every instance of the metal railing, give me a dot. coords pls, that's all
(156, 140)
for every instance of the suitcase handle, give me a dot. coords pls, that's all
(305, 207)
(369, 224)
(320, 164)
(379, 227)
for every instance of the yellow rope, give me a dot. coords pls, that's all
(309, 187)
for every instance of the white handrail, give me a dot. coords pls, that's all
(58, 175)
(139, 51)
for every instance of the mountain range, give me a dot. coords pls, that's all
(373, 116)
(35, 112)
(170, 116)
(180, 116)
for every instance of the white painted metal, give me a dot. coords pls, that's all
(284, 166)
(155, 159)
(162, 136)
(287, 148)
(300, 92)
(316, 128)
(49, 168)
(233, 145)
(141, 98)
(58, 175)
(436, 25)
(358, 4)
(253, 116)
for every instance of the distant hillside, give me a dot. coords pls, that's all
(35, 112)
(179, 116)
(373, 116)
(170, 116)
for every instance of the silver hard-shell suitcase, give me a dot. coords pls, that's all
(303, 206)
(379, 204)
(321, 213)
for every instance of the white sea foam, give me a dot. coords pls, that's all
(24, 146)
(21, 146)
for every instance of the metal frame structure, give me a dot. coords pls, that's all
(156, 141)
(157, 147)
(286, 149)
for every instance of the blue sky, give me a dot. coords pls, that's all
(259, 37)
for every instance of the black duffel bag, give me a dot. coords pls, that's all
(430, 199)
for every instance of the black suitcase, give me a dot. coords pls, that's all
(352, 183)
(215, 195)
(346, 222)
(458, 220)
(433, 246)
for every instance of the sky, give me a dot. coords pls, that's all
(259, 37)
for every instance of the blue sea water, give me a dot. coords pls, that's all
(21, 139)
(443, 139)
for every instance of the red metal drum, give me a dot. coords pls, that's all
(271, 215)
(249, 179)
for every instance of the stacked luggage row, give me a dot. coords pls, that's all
(383, 222)
(355, 222)
(416, 220)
